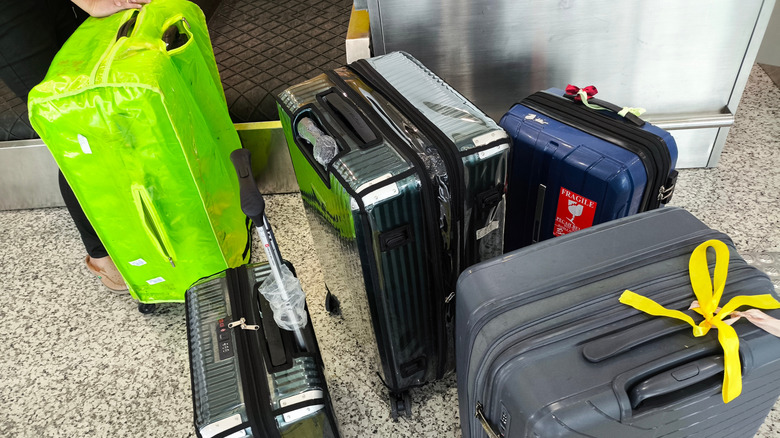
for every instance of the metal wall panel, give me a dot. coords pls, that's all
(682, 61)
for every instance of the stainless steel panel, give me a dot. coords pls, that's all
(28, 176)
(670, 57)
(28, 172)
(271, 163)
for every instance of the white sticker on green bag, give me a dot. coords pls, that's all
(84, 143)
(139, 262)
(155, 280)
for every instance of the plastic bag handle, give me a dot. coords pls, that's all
(127, 27)
(173, 37)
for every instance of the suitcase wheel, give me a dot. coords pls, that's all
(332, 304)
(400, 405)
(146, 308)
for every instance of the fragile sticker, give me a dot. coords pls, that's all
(575, 212)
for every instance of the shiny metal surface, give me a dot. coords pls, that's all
(28, 176)
(28, 173)
(686, 60)
(271, 163)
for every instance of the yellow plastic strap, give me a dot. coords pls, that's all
(709, 291)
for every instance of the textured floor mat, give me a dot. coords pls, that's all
(14, 124)
(264, 46)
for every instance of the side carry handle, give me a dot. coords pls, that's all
(176, 35)
(351, 118)
(675, 379)
(610, 346)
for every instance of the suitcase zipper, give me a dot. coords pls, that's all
(446, 147)
(650, 148)
(508, 340)
(250, 360)
(428, 199)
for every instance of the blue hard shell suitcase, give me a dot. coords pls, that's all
(573, 167)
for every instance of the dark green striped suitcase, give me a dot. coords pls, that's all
(410, 193)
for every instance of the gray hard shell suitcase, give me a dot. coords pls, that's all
(546, 350)
(252, 380)
(413, 196)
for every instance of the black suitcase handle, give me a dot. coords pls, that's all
(676, 379)
(612, 107)
(351, 118)
(252, 202)
(610, 346)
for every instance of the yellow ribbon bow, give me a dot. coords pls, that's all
(709, 292)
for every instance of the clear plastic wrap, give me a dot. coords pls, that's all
(324, 146)
(288, 305)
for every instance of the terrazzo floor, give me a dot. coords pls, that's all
(81, 361)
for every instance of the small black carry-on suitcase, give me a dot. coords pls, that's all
(251, 378)
(410, 193)
(546, 349)
(573, 166)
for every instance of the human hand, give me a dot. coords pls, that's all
(104, 8)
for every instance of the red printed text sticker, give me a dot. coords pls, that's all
(575, 212)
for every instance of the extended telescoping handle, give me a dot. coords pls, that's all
(253, 205)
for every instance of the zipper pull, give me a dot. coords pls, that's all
(171, 261)
(244, 326)
(480, 414)
(449, 297)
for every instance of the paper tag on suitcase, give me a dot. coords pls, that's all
(482, 232)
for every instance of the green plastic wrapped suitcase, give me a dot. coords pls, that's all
(133, 111)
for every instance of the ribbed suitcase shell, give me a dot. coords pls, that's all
(394, 297)
(525, 321)
(219, 383)
(549, 154)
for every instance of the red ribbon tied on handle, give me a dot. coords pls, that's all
(572, 90)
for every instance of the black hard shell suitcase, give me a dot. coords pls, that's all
(414, 195)
(253, 383)
(546, 350)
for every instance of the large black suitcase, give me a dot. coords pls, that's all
(545, 349)
(252, 379)
(414, 194)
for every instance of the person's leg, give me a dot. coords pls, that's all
(92, 243)
(98, 261)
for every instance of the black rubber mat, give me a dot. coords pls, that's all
(264, 46)
(14, 124)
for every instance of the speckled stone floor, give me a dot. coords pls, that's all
(80, 360)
